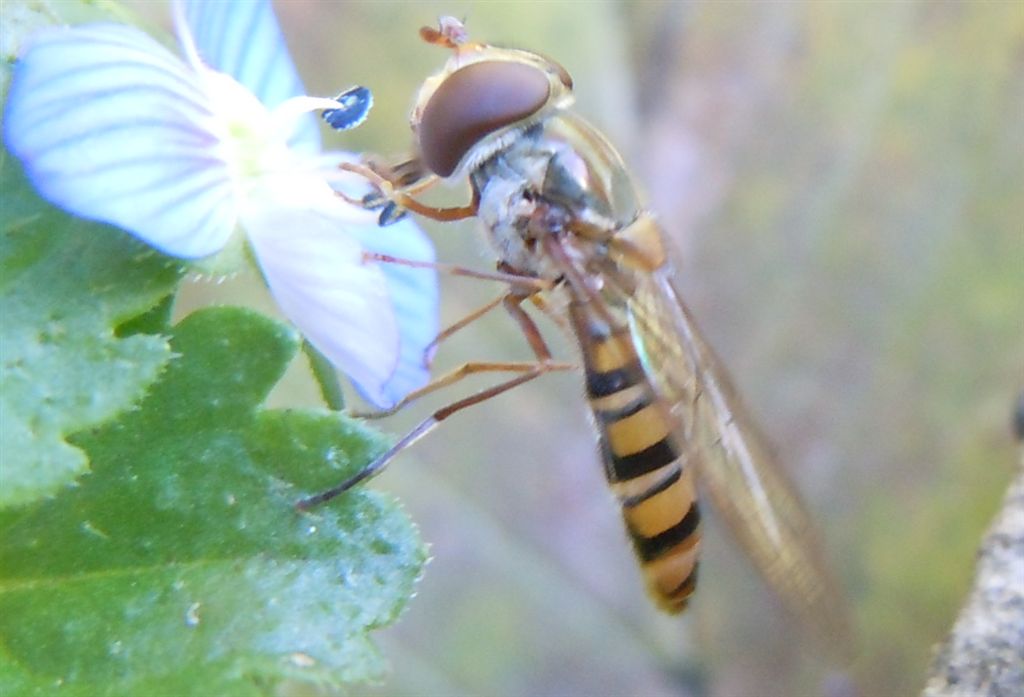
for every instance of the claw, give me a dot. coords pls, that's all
(390, 214)
(374, 200)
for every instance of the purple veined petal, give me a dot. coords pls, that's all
(112, 127)
(317, 275)
(414, 297)
(414, 292)
(244, 40)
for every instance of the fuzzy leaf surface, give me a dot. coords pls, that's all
(180, 564)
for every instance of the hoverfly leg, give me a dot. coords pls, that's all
(525, 286)
(404, 199)
(371, 201)
(428, 353)
(407, 176)
(373, 468)
(441, 215)
(527, 371)
(390, 214)
(511, 301)
(528, 284)
(410, 175)
(461, 372)
(425, 427)
(513, 305)
(374, 200)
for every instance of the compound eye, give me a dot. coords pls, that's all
(558, 69)
(474, 102)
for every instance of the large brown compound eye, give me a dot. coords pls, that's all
(473, 102)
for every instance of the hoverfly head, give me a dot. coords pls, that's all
(483, 94)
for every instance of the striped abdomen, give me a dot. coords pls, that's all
(645, 466)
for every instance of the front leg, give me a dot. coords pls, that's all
(402, 196)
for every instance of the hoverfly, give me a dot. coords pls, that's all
(564, 218)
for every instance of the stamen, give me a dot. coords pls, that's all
(356, 103)
(285, 113)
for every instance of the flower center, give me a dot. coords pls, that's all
(254, 143)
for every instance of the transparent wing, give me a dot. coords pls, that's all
(737, 469)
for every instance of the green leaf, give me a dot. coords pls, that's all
(326, 377)
(181, 565)
(65, 286)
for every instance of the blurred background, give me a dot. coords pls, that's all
(844, 181)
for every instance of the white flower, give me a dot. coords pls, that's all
(202, 157)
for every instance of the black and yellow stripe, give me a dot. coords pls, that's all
(645, 465)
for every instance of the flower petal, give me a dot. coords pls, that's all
(414, 297)
(243, 39)
(318, 277)
(113, 127)
(414, 292)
